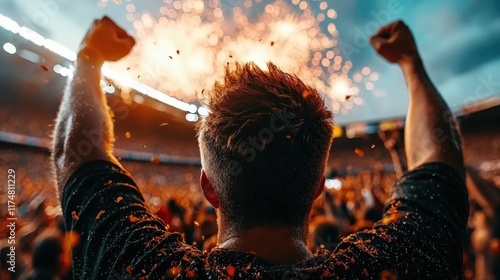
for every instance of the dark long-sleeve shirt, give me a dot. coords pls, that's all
(419, 237)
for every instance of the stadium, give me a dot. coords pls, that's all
(155, 124)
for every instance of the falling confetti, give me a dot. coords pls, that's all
(99, 214)
(231, 270)
(155, 160)
(133, 219)
(74, 215)
(359, 152)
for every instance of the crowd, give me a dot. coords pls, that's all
(132, 133)
(172, 192)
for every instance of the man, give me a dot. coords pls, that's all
(264, 147)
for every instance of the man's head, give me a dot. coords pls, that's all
(264, 147)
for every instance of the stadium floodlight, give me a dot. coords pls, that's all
(56, 48)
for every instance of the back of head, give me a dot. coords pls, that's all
(264, 146)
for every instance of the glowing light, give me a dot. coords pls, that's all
(146, 90)
(332, 14)
(284, 28)
(279, 35)
(365, 71)
(183, 66)
(31, 35)
(30, 56)
(61, 50)
(191, 117)
(109, 89)
(9, 48)
(130, 8)
(335, 184)
(203, 111)
(9, 24)
(340, 88)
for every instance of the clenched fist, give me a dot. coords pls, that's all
(105, 40)
(395, 43)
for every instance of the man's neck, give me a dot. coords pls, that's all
(278, 245)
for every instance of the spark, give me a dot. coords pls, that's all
(289, 36)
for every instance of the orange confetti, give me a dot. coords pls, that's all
(44, 68)
(373, 146)
(230, 270)
(359, 152)
(155, 160)
(245, 270)
(133, 219)
(196, 223)
(190, 273)
(288, 136)
(128, 135)
(178, 52)
(99, 214)
(365, 272)
(118, 199)
(272, 43)
(163, 124)
(129, 270)
(74, 215)
(174, 271)
(306, 94)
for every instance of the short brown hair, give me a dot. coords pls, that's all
(264, 145)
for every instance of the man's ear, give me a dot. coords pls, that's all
(320, 187)
(208, 190)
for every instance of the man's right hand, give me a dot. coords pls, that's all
(395, 43)
(105, 40)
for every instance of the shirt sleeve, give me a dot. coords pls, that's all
(119, 238)
(420, 235)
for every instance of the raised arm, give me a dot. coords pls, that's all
(430, 131)
(84, 127)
